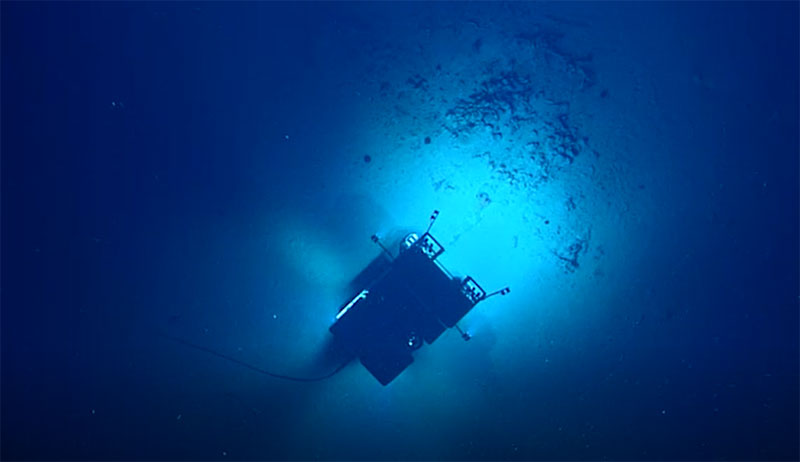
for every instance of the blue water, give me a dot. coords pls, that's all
(213, 172)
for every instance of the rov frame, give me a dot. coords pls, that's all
(406, 300)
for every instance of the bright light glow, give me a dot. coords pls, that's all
(358, 297)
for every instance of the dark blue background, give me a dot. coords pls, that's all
(107, 211)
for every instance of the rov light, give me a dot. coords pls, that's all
(414, 341)
(355, 300)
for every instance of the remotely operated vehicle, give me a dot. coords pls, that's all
(407, 300)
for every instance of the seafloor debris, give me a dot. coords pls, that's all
(497, 96)
(547, 41)
(508, 105)
(418, 82)
(483, 199)
(569, 256)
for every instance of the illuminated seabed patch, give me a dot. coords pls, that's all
(527, 198)
(504, 150)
